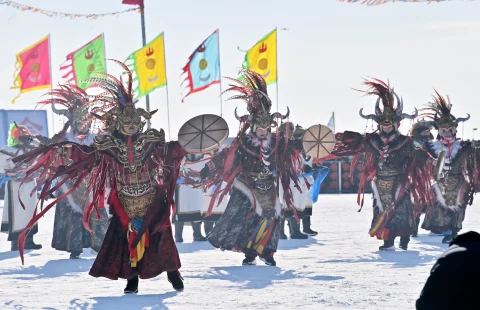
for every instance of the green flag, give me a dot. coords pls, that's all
(82, 63)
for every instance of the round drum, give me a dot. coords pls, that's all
(318, 141)
(203, 134)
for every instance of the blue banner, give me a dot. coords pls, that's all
(35, 120)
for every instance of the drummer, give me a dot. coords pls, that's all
(189, 203)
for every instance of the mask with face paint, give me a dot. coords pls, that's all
(439, 111)
(388, 119)
(252, 89)
(123, 117)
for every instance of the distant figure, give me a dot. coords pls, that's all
(452, 283)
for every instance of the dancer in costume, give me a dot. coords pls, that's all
(15, 217)
(455, 189)
(395, 168)
(141, 169)
(253, 167)
(69, 235)
(299, 196)
(421, 135)
(189, 203)
(308, 177)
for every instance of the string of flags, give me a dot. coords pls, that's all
(27, 8)
(379, 2)
(148, 64)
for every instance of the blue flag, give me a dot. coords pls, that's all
(203, 67)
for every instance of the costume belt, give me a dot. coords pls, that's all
(389, 173)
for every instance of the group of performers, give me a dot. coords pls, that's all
(243, 192)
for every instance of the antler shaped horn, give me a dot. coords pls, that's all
(145, 114)
(59, 112)
(370, 116)
(463, 119)
(399, 104)
(107, 115)
(279, 115)
(408, 116)
(242, 118)
(378, 112)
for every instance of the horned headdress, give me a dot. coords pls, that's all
(391, 113)
(252, 89)
(117, 100)
(72, 102)
(439, 111)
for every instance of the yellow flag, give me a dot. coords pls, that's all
(149, 66)
(262, 57)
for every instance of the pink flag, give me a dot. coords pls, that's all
(33, 68)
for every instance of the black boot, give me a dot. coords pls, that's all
(208, 226)
(447, 239)
(176, 279)
(404, 242)
(415, 231)
(388, 245)
(197, 232)
(269, 261)
(30, 245)
(178, 231)
(132, 286)
(75, 255)
(282, 230)
(306, 226)
(295, 232)
(249, 260)
(14, 246)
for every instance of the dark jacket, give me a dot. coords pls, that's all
(453, 280)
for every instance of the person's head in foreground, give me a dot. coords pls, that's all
(453, 280)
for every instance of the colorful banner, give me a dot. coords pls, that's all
(133, 2)
(378, 2)
(27, 8)
(203, 67)
(81, 63)
(262, 57)
(148, 65)
(32, 69)
(34, 120)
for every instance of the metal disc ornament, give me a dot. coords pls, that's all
(318, 141)
(203, 134)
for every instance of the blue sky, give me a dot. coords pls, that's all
(327, 50)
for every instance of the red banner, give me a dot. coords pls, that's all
(133, 2)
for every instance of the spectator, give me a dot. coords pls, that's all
(452, 283)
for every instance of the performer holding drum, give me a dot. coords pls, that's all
(255, 165)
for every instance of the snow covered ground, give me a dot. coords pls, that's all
(341, 268)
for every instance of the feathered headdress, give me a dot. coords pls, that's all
(75, 102)
(252, 89)
(117, 98)
(420, 126)
(439, 111)
(391, 112)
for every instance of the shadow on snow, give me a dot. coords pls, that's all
(252, 277)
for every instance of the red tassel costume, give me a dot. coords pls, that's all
(395, 168)
(254, 167)
(141, 170)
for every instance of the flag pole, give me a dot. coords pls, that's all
(51, 80)
(104, 51)
(144, 43)
(333, 122)
(220, 69)
(276, 60)
(166, 87)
